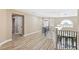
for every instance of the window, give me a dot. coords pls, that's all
(67, 24)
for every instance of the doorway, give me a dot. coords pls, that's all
(17, 26)
(45, 27)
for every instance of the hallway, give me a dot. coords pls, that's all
(39, 29)
(27, 43)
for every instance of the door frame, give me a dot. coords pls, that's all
(22, 23)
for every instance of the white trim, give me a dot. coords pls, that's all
(32, 33)
(5, 42)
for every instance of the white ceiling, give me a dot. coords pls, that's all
(51, 12)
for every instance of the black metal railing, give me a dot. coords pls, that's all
(66, 39)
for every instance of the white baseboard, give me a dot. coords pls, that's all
(32, 33)
(5, 42)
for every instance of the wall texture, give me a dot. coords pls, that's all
(3, 25)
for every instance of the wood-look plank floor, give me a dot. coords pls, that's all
(24, 43)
